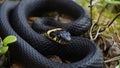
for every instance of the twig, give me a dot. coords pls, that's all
(114, 19)
(97, 34)
(112, 59)
(91, 10)
(91, 20)
(109, 23)
(90, 33)
(101, 13)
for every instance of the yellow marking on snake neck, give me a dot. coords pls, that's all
(55, 38)
(49, 31)
(59, 41)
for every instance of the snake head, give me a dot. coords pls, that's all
(59, 35)
(64, 35)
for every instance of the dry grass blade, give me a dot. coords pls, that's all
(112, 59)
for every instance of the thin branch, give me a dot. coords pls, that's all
(91, 20)
(101, 13)
(90, 33)
(109, 23)
(114, 19)
(97, 34)
(91, 10)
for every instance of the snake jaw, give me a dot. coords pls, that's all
(59, 35)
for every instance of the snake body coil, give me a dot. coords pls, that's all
(31, 48)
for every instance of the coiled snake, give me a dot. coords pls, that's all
(31, 47)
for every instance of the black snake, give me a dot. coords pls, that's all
(31, 47)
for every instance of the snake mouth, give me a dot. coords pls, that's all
(59, 35)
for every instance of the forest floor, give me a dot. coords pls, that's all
(105, 29)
